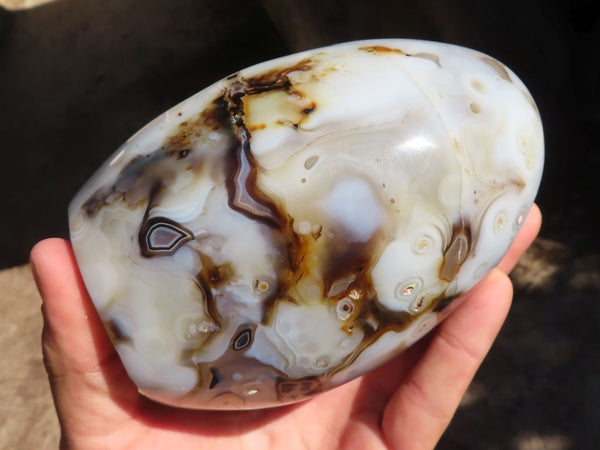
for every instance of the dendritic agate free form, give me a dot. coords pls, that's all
(302, 221)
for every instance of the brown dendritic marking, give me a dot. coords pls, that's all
(275, 79)
(143, 178)
(209, 299)
(381, 49)
(242, 170)
(242, 173)
(213, 275)
(345, 260)
(133, 185)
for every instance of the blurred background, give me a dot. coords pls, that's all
(78, 77)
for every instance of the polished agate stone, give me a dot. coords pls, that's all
(304, 220)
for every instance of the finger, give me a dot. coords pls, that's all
(85, 373)
(420, 410)
(527, 234)
(82, 365)
(73, 331)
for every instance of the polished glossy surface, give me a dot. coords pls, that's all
(306, 219)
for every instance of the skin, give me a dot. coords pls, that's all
(405, 404)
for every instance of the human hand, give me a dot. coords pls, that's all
(407, 403)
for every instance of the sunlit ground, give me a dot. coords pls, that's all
(16, 5)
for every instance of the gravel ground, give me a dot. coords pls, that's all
(27, 416)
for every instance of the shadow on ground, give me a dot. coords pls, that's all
(539, 388)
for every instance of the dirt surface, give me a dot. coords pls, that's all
(27, 416)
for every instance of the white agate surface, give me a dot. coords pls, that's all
(304, 220)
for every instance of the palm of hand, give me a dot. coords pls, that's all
(407, 403)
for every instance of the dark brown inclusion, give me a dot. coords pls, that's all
(290, 390)
(116, 332)
(456, 252)
(243, 339)
(443, 303)
(216, 377)
(143, 175)
(245, 195)
(159, 236)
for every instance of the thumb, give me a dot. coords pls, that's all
(79, 357)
